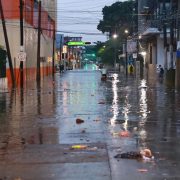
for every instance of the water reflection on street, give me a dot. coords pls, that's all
(47, 115)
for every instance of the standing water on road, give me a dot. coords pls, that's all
(38, 127)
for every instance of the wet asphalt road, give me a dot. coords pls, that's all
(38, 128)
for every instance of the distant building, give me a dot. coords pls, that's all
(59, 40)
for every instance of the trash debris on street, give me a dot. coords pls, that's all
(79, 121)
(96, 120)
(93, 149)
(142, 170)
(79, 147)
(121, 134)
(143, 154)
(129, 155)
(101, 102)
(83, 131)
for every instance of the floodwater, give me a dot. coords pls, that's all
(38, 123)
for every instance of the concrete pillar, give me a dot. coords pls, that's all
(152, 66)
(154, 54)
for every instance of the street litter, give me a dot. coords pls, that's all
(96, 120)
(143, 154)
(93, 149)
(83, 131)
(142, 170)
(79, 121)
(79, 147)
(124, 134)
(121, 134)
(101, 102)
(83, 147)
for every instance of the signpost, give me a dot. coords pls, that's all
(21, 56)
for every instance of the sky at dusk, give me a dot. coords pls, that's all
(81, 17)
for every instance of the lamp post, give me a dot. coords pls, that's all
(38, 75)
(115, 36)
(126, 32)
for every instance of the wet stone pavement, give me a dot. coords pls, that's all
(39, 128)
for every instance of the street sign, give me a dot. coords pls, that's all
(21, 56)
(78, 43)
(178, 54)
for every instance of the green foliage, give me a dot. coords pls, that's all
(106, 51)
(90, 53)
(118, 16)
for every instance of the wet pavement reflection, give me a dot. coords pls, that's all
(38, 125)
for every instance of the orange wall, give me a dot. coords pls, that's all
(29, 74)
(11, 9)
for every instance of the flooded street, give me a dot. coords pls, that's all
(38, 128)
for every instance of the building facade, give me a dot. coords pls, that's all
(157, 27)
(48, 24)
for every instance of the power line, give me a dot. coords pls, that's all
(72, 32)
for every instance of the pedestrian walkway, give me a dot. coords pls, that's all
(73, 129)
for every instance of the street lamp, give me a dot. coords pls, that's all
(126, 31)
(115, 36)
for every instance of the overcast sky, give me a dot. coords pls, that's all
(82, 17)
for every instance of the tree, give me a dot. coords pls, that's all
(118, 17)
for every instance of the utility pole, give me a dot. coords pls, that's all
(7, 45)
(38, 75)
(165, 34)
(60, 49)
(126, 60)
(54, 37)
(21, 42)
(171, 38)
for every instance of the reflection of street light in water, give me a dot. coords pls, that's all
(115, 36)
(126, 110)
(143, 100)
(143, 53)
(143, 110)
(115, 106)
